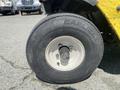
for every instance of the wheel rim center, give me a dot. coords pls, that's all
(64, 52)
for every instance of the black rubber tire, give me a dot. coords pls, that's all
(60, 25)
(22, 13)
(16, 12)
(13, 12)
(4, 13)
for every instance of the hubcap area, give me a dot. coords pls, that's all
(65, 53)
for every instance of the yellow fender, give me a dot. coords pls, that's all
(109, 9)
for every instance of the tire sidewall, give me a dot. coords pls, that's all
(64, 26)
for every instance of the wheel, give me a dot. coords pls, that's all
(16, 12)
(64, 48)
(13, 12)
(4, 13)
(21, 12)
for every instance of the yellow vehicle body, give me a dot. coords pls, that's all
(109, 9)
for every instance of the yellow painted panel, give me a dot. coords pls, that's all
(108, 8)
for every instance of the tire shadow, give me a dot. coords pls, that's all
(111, 59)
(65, 88)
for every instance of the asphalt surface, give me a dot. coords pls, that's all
(15, 73)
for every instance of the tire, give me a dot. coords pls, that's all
(4, 13)
(13, 12)
(21, 12)
(66, 28)
(16, 12)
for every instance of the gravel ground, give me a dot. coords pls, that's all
(15, 73)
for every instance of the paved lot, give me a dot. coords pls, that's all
(15, 73)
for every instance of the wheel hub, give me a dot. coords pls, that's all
(65, 53)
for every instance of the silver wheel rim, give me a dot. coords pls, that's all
(65, 53)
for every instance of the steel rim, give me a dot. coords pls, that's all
(65, 53)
